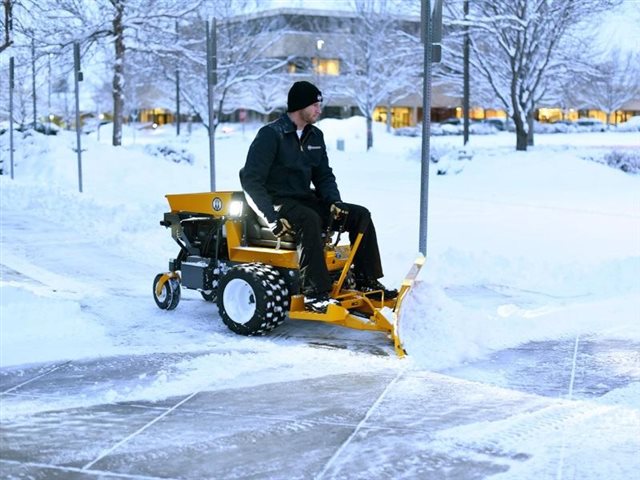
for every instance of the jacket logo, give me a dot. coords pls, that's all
(314, 147)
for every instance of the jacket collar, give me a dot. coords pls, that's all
(289, 126)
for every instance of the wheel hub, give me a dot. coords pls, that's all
(239, 301)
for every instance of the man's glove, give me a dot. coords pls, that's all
(338, 210)
(280, 227)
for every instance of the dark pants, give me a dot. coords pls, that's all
(309, 218)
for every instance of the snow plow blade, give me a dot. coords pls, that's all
(363, 311)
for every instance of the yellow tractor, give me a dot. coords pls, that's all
(231, 257)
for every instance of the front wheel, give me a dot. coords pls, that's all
(169, 294)
(253, 299)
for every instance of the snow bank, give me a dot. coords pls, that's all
(36, 325)
(442, 329)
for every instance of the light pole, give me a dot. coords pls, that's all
(33, 80)
(177, 86)
(77, 77)
(49, 115)
(465, 94)
(212, 79)
(317, 68)
(431, 29)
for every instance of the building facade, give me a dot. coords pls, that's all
(315, 41)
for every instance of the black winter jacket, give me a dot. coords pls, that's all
(281, 166)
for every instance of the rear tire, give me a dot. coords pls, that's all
(169, 296)
(253, 299)
(209, 295)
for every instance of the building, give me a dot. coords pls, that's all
(315, 40)
(313, 44)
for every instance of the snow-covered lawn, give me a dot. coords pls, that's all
(545, 221)
(523, 247)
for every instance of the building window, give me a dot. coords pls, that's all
(326, 66)
(400, 116)
(299, 65)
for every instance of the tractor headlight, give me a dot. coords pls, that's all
(235, 208)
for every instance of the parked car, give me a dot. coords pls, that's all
(455, 126)
(590, 125)
(44, 128)
(498, 123)
(452, 121)
(559, 126)
(408, 131)
(90, 125)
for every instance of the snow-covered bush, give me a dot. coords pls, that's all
(632, 125)
(176, 155)
(625, 160)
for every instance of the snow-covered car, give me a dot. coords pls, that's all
(408, 131)
(455, 126)
(497, 122)
(589, 125)
(44, 128)
(559, 126)
(90, 125)
(631, 125)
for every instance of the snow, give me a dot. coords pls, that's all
(570, 224)
(522, 247)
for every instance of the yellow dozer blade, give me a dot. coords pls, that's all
(362, 312)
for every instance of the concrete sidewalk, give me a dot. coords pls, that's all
(365, 426)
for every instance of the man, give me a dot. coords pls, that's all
(285, 158)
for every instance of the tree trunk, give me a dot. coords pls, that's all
(118, 75)
(8, 25)
(521, 133)
(369, 132)
(530, 132)
(389, 117)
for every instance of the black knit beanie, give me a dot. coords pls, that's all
(301, 95)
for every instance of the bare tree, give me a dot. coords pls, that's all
(520, 48)
(126, 24)
(379, 59)
(265, 96)
(6, 23)
(613, 82)
(243, 46)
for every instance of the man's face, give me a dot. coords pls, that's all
(311, 113)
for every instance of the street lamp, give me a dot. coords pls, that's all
(318, 65)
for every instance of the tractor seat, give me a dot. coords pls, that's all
(259, 234)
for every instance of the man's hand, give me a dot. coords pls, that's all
(338, 210)
(281, 227)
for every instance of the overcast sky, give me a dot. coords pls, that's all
(622, 27)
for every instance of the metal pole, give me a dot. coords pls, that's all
(49, 96)
(11, 87)
(177, 87)
(177, 102)
(33, 81)
(77, 77)
(211, 80)
(465, 94)
(426, 126)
